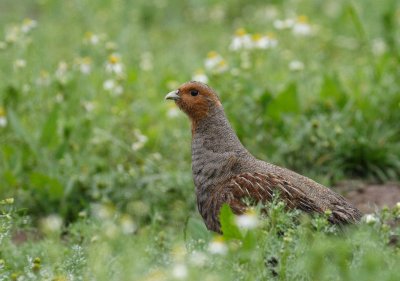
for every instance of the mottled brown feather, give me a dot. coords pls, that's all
(225, 172)
(259, 188)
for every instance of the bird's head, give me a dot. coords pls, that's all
(196, 99)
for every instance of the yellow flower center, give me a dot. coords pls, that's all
(88, 34)
(212, 54)
(250, 212)
(240, 32)
(219, 239)
(257, 37)
(222, 63)
(27, 22)
(113, 59)
(199, 71)
(302, 19)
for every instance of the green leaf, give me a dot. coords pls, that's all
(9, 178)
(48, 136)
(228, 226)
(332, 92)
(47, 186)
(196, 232)
(20, 131)
(264, 99)
(286, 102)
(250, 241)
(357, 22)
(16, 125)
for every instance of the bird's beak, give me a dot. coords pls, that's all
(173, 95)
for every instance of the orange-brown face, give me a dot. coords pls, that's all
(195, 99)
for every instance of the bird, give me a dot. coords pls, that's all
(225, 172)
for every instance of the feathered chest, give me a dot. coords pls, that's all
(210, 167)
(216, 151)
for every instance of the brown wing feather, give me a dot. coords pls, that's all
(260, 187)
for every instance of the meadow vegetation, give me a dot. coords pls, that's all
(95, 168)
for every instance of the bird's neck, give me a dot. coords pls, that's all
(214, 133)
(216, 152)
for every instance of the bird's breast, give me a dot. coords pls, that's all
(206, 168)
(216, 152)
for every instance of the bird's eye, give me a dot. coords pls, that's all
(194, 93)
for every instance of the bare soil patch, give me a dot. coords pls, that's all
(370, 197)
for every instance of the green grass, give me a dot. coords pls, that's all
(71, 148)
(284, 246)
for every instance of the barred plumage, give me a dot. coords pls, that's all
(225, 172)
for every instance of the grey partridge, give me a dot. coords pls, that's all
(225, 172)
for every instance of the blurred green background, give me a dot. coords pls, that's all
(85, 132)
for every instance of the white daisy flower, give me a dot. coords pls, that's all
(44, 78)
(140, 140)
(19, 63)
(378, 46)
(28, 25)
(7, 201)
(61, 72)
(221, 67)
(3, 121)
(173, 112)
(109, 84)
(218, 246)
(296, 65)
(198, 259)
(215, 63)
(264, 41)
(102, 211)
(241, 40)
(370, 218)
(248, 220)
(51, 223)
(200, 76)
(113, 87)
(114, 64)
(12, 34)
(283, 24)
(302, 27)
(180, 271)
(92, 38)
(127, 224)
(84, 65)
(88, 105)
(212, 60)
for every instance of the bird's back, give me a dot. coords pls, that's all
(225, 172)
